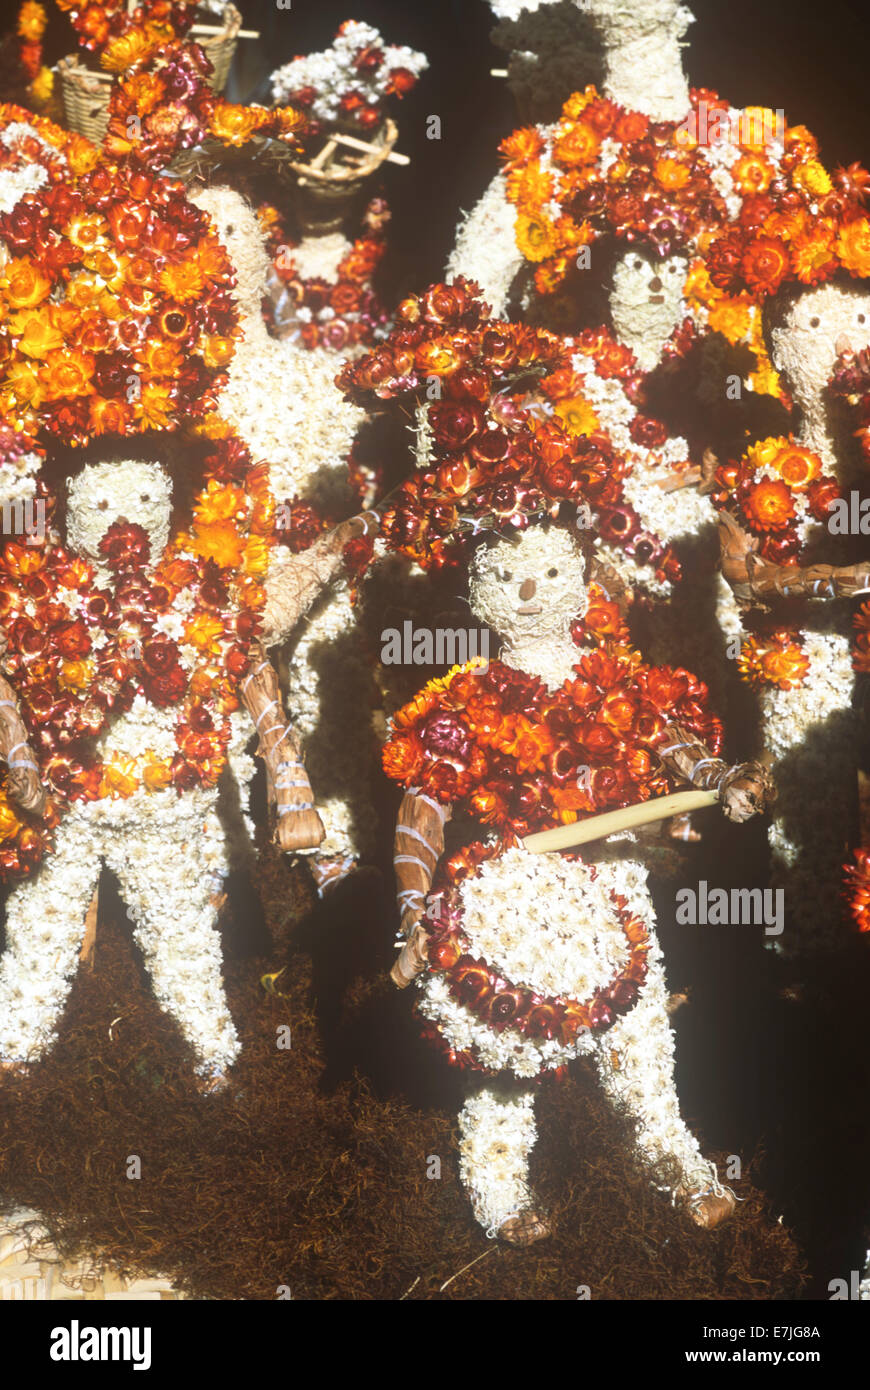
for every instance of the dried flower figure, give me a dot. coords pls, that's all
(525, 961)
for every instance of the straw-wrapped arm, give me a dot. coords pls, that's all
(744, 789)
(23, 782)
(417, 847)
(295, 582)
(756, 581)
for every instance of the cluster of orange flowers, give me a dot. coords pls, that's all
(512, 433)
(32, 22)
(117, 308)
(800, 224)
(775, 658)
(773, 489)
(512, 751)
(657, 190)
(61, 153)
(124, 37)
(155, 113)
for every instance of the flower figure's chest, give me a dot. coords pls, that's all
(143, 727)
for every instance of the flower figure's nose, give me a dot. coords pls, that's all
(655, 284)
(527, 589)
(842, 344)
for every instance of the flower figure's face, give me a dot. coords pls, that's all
(822, 323)
(239, 233)
(531, 588)
(647, 298)
(104, 494)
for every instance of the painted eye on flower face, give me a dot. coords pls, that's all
(145, 497)
(103, 504)
(503, 575)
(815, 321)
(861, 319)
(637, 263)
(552, 572)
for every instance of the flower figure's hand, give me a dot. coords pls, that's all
(746, 790)
(735, 547)
(410, 917)
(709, 464)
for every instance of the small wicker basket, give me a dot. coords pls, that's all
(328, 185)
(86, 91)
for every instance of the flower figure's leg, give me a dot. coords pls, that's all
(45, 923)
(497, 1134)
(170, 879)
(635, 1062)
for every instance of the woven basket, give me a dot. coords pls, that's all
(328, 185)
(86, 92)
(219, 48)
(85, 98)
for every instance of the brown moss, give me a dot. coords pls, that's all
(308, 1175)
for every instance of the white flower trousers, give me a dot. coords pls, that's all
(169, 856)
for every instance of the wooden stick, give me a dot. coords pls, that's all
(88, 953)
(597, 827)
(354, 144)
(220, 29)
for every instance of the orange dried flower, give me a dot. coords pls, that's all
(576, 145)
(233, 125)
(32, 21)
(536, 237)
(812, 254)
(23, 284)
(732, 317)
(220, 542)
(522, 146)
(671, 173)
(133, 47)
(577, 415)
(204, 631)
(182, 282)
(797, 467)
(765, 264)
(769, 506)
(853, 246)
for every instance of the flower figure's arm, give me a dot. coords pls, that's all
(23, 782)
(486, 248)
(298, 827)
(756, 581)
(744, 790)
(295, 582)
(417, 848)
